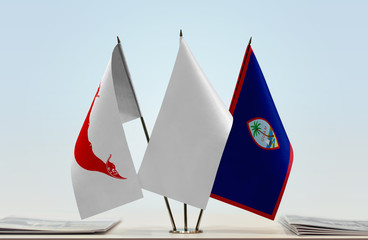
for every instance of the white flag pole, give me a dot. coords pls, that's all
(144, 128)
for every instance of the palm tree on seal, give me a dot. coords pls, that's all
(257, 130)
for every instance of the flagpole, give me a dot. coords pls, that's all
(145, 129)
(165, 198)
(232, 106)
(185, 218)
(199, 220)
(201, 212)
(185, 205)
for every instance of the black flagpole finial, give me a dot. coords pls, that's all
(181, 33)
(118, 39)
(250, 41)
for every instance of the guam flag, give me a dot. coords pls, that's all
(257, 158)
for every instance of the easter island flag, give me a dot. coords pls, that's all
(103, 173)
(258, 156)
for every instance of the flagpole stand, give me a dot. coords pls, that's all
(182, 231)
(186, 230)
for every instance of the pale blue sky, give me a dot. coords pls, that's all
(312, 53)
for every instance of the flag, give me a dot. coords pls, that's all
(188, 137)
(257, 159)
(103, 173)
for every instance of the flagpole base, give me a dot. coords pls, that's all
(182, 231)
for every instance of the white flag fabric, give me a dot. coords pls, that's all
(103, 173)
(124, 90)
(188, 138)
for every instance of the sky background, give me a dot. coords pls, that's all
(313, 55)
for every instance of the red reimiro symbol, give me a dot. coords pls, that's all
(84, 154)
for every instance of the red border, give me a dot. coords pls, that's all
(284, 185)
(239, 83)
(255, 140)
(271, 217)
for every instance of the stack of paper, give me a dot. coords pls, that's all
(322, 226)
(43, 226)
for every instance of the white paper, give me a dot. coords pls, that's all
(37, 225)
(301, 225)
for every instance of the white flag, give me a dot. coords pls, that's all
(103, 173)
(188, 138)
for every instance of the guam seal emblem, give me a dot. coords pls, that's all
(262, 134)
